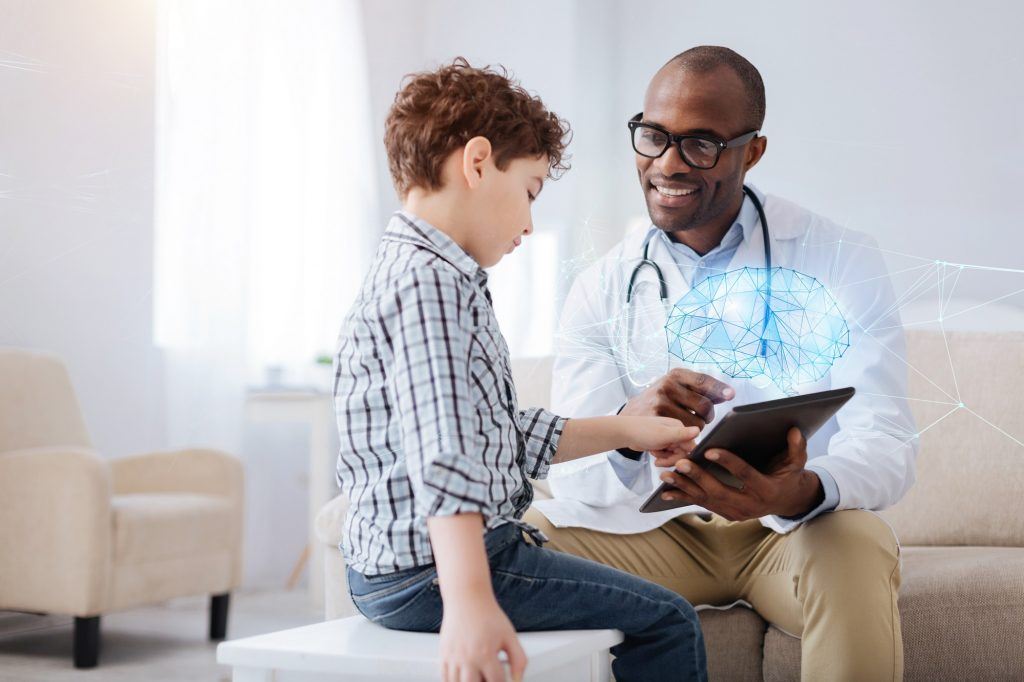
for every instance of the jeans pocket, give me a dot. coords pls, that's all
(366, 590)
(410, 605)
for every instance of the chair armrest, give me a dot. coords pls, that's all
(195, 470)
(55, 530)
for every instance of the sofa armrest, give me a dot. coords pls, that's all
(331, 520)
(55, 530)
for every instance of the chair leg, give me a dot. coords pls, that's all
(219, 615)
(87, 642)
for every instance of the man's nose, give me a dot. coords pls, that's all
(528, 230)
(671, 162)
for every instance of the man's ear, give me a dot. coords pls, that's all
(755, 150)
(475, 155)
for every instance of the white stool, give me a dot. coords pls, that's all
(354, 649)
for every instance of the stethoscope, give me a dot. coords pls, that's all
(663, 285)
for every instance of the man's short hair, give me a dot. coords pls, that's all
(437, 112)
(705, 58)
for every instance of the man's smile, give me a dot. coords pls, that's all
(673, 195)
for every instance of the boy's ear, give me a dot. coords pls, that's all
(475, 155)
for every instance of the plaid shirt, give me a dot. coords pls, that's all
(426, 407)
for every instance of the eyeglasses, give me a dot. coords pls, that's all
(698, 151)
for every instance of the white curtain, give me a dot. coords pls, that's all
(264, 198)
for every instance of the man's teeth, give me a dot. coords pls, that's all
(669, 192)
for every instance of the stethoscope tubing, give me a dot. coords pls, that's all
(663, 285)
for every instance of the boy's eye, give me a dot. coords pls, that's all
(531, 195)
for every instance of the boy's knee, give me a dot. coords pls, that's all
(685, 609)
(676, 607)
(682, 617)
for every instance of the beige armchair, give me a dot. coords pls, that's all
(83, 535)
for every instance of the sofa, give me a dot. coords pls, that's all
(83, 535)
(961, 526)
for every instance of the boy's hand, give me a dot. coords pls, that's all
(670, 456)
(666, 437)
(473, 632)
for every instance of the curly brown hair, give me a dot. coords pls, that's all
(437, 112)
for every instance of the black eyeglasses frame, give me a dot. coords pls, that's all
(677, 140)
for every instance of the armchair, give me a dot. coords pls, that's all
(83, 535)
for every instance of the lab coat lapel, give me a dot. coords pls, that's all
(676, 284)
(646, 359)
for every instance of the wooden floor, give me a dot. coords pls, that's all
(166, 642)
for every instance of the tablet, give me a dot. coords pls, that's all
(757, 433)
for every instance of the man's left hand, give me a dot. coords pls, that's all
(789, 490)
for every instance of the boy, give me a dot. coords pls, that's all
(435, 453)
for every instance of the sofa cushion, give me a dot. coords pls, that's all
(734, 639)
(972, 453)
(152, 526)
(962, 610)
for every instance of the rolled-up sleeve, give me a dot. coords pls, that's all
(541, 430)
(431, 377)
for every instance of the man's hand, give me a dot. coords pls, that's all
(789, 490)
(681, 394)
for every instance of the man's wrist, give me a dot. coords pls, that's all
(812, 494)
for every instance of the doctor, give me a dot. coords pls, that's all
(797, 544)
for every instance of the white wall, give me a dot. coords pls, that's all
(76, 204)
(865, 104)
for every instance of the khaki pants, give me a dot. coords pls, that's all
(833, 581)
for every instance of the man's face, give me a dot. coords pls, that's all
(712, 104)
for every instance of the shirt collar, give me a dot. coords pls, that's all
(741, 229)
(411, 229)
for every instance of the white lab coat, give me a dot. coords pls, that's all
(869, 447)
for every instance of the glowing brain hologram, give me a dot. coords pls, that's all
(752, 322)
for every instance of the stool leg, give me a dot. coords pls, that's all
(601, 666)
(86, 650)
(219, 615)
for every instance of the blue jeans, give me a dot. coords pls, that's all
(542, 589)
